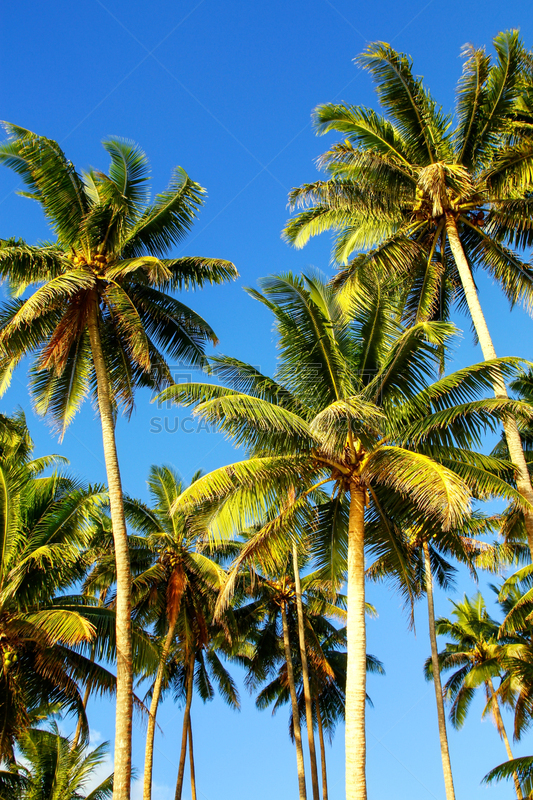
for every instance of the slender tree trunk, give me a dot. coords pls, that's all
(512, 435)
(503, 733)
(305, 676)
(356, 641)
(186, 717)
(322, 751)
(77, 734)
(294, 701)
(150, 733)
(124, 701)
(191, 761)
(444, 751)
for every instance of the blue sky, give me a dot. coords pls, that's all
(226, 90)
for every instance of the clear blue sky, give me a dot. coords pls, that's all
(226, 89)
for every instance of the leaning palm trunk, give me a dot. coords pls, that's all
(305, 676)
(444, 751)
(512, 435)
(124, 703)
(86, 695)
(186, 718)
(503, 733)
(79, 726)
(295, 711)
(322, 750)
(191, 761)
(150, 733)
(356, 640)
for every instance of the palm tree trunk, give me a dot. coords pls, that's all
(79, 726)
(512, 435)
(124, 701)
(295, 711)
(85, 700)
(503, 733)
(191, 761)
(305, 676)
(444, 751)
(356, 641)
(186, 717)
(322, 751)
(150, 733)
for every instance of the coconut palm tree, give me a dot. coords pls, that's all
(100, 319)
(427, 550)
(474, 655)
(272, 606)
(326, 668)
(351, 404)
(177, 566)
(50, 768)
(196, 663)
(45, 524)
(428, 198)
(305, 670)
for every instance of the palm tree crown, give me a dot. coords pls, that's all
(108, 259)
(395, 180)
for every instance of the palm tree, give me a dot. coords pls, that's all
(352, 405)
(271, 618)
(196, 663)
(305, 670)
(516, 653)
(178, 566)
(52, 769)
(101, 318)
(426, 551)
(45, 524)
(474, 653)
(325, 644)
(427, 202)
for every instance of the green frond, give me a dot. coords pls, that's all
(61, 396)
(44, 168)
(168, 220)
(128, 175)
(522, 767)
(501, 92)
(514, 276)
(126, 320)
(421, 123)
(369, 131)
(434, 489)
(256, 424)
(471, 96)
(62, 625)
(173, 327)
(51, 296)
(22, 265)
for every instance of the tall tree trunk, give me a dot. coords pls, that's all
(124, 701)
(512, 435)
(305, 676)
(503, 733)
(191, 762)
(294, 701)
(186, 717)
(150, 733)
(444, 751)
(322, 750)
(356, 641)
